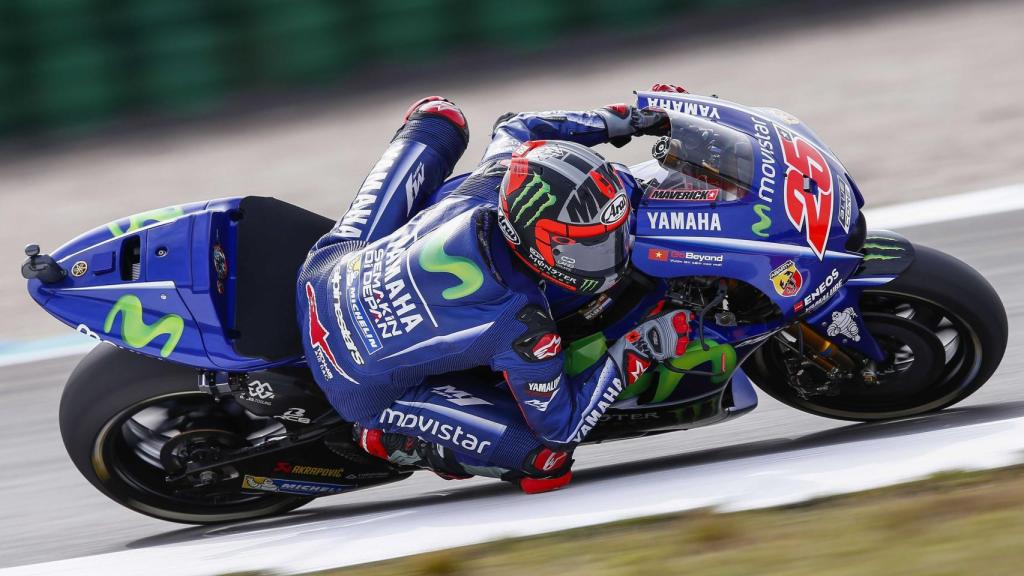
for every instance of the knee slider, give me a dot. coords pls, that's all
(441, 107)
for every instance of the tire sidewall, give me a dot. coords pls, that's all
(110, 381)
(947, 282)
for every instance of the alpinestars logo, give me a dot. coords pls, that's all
(548, 346)
(547, 460)
(636, 366)
(318, 337)
(531, 201)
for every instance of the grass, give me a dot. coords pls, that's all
(950, 524)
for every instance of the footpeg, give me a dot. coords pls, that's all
(41, 266)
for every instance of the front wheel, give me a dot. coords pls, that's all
(123, 416)
(943, 327)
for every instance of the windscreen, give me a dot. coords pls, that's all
(702, 160)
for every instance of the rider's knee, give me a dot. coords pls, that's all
(439, 107)
(439, 124)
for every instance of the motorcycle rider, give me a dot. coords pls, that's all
(395, 299)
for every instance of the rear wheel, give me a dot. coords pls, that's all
(128, 421)
(943, 328)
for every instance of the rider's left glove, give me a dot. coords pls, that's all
(624, 121)
(662, 336)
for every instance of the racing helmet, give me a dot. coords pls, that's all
(564, 211)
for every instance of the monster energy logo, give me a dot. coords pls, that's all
(136, 221)
(874, 244)
(764, 221)
(134, 330)
(588, 285)
(538, 197)
(433, 258)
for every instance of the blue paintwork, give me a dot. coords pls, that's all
(183, 282)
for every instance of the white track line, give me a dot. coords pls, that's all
(743, 483)
(946, 208)
(919, 212)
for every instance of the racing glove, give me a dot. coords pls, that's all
(669, 88)
(664, 335)
(624, 122)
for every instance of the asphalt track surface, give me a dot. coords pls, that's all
(946, 117)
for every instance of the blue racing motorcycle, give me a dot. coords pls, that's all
(198, 407)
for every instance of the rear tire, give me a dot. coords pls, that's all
(105, 390)
(940, 285)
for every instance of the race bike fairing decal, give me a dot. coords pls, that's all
(808, 212)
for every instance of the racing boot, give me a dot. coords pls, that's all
(545, 470)
(407, 451)
(441, 107)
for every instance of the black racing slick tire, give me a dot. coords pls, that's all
(103, 394)
(939, 312)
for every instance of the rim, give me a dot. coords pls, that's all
(934, 355)
(142, 445)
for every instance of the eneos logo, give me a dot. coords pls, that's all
(809, 213)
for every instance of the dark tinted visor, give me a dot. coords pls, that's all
(599, 256)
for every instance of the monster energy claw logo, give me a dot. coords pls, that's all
(134, 330)
(433, 258)
(588, 285)
(538, 196)
(136, 221)
(875, 249)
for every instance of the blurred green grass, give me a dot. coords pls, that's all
(949, 524)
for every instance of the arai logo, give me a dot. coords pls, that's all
(506, 228)
(615, 209)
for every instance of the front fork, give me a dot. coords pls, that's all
(836, 336)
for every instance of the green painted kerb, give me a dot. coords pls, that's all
(433, 258)
(134, 330)
(136, 221)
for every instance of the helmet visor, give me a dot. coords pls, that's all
(599, 256)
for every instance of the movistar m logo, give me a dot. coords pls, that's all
(134, 330)
(537, 195)
(433, 258)
(759, 228)
(136, 221)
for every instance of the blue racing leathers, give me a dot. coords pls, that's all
(392, 307)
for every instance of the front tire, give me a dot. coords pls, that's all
(101, 402)
(944, 327)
